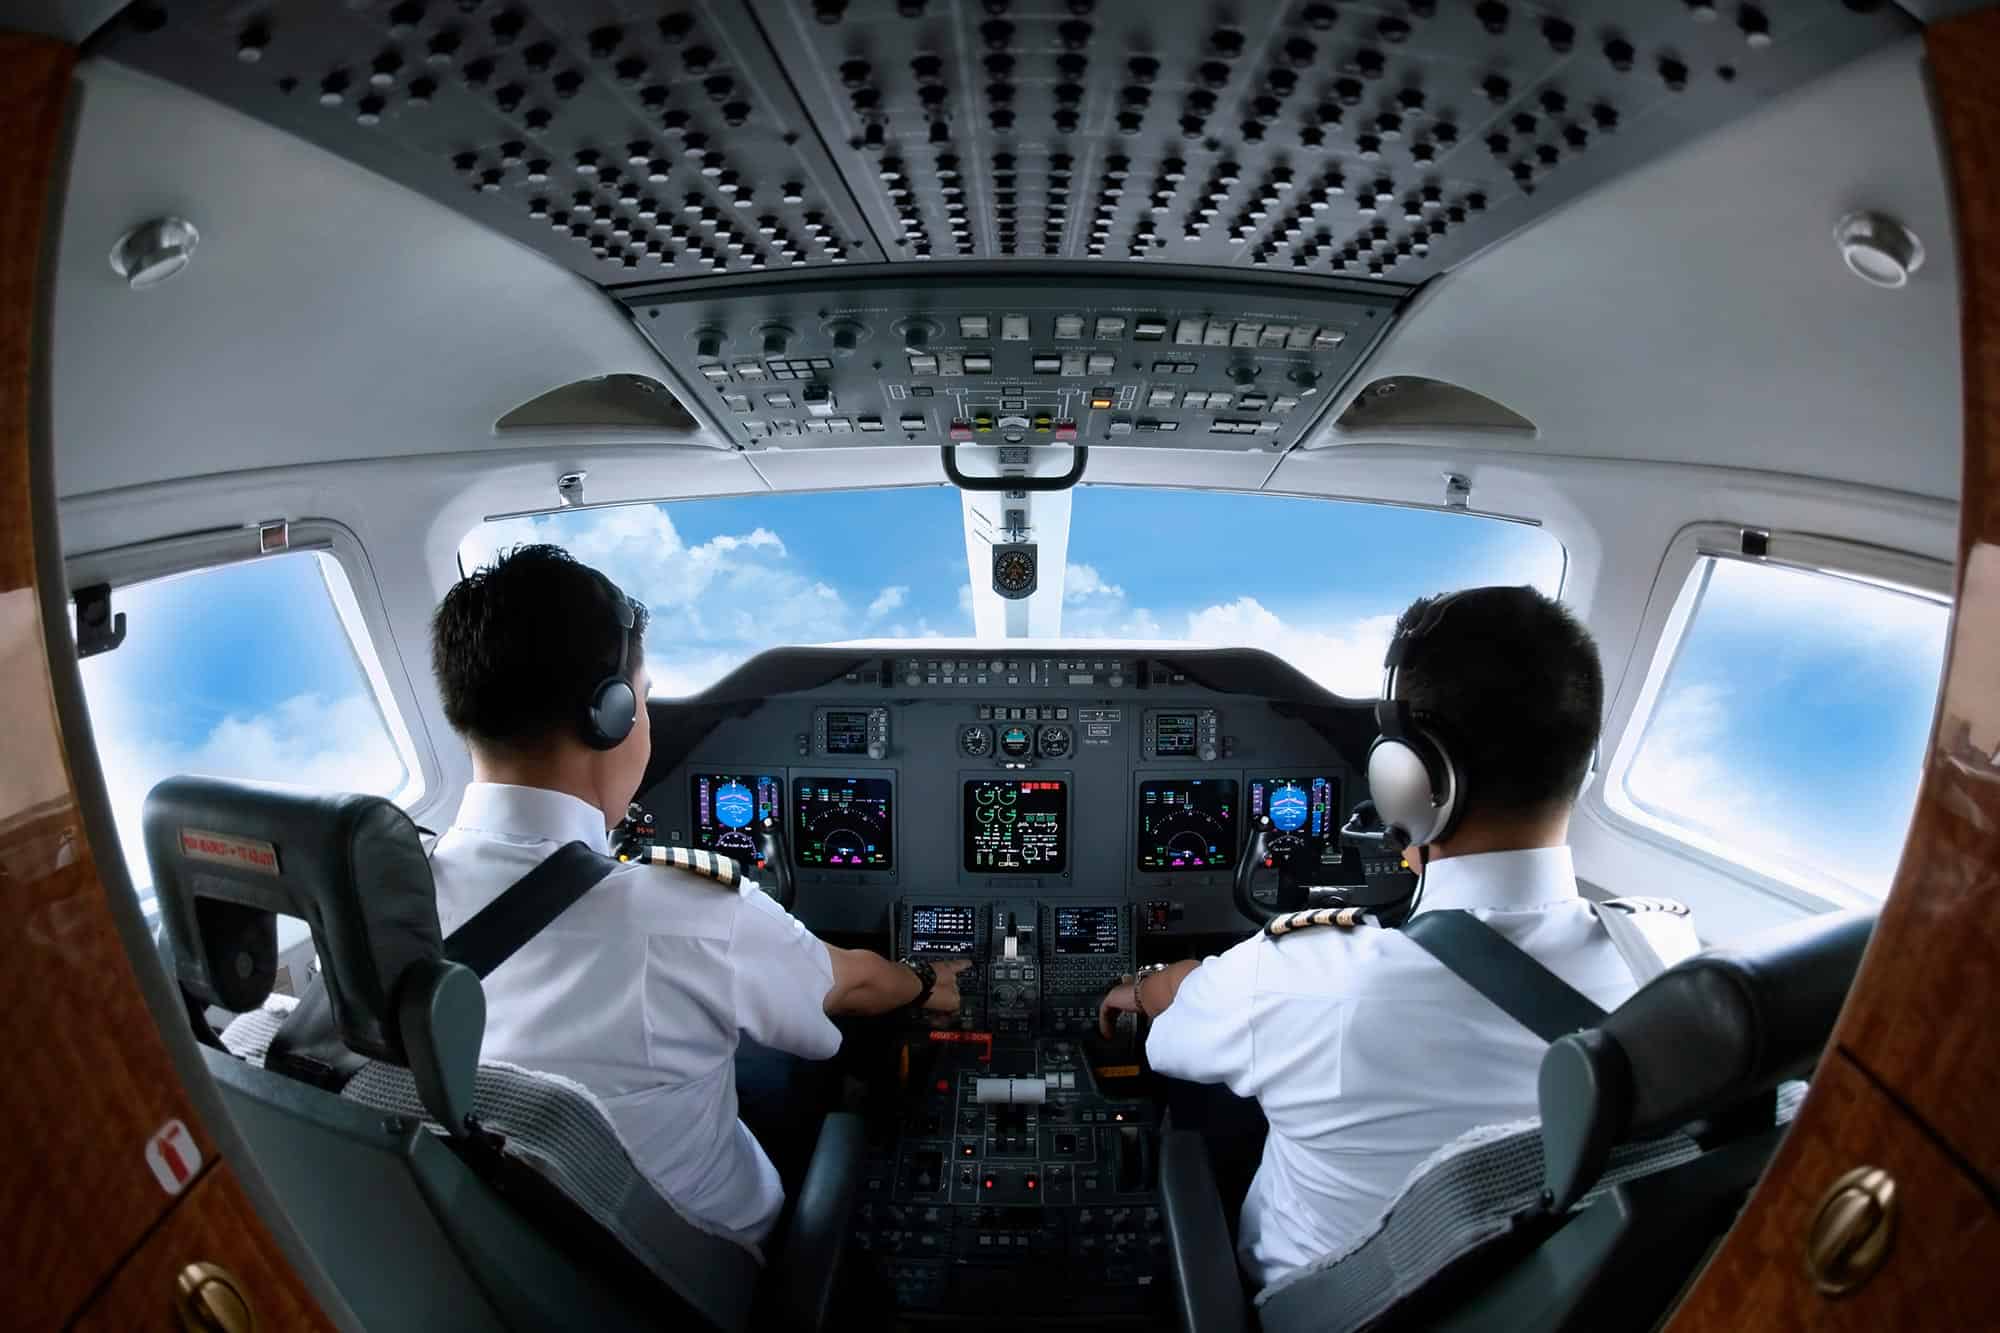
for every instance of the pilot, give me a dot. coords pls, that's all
(1362, 1051)
(643, 989)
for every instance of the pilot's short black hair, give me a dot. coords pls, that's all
(1515, 689)
(518, 645)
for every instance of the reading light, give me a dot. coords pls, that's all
(1878, 249)
(154, 251)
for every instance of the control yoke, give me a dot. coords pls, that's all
(777, 862)
(1247, 866)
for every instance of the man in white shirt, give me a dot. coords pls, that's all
(1363, 1051)
(641, 989)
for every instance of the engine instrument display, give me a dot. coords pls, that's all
(943, 929)
(1087, 930)
(844, 822)
(730, 808)
(1187, 824)
(1305, 821)
(1015, 827)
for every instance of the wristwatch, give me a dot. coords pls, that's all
(926, 975)
(1138, 981)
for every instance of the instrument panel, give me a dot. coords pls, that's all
(1044, 779)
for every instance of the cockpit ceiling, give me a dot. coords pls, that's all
(631, 143)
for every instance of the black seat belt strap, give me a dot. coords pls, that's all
(526, 907)
(1504, 973)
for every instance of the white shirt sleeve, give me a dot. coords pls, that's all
(1205, 1034)
(780, 974)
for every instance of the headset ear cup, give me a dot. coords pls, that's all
(1414, 787)
(614, 709)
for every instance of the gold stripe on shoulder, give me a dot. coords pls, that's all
(705, 864)
(1287, 922)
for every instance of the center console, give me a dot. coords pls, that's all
(1015, 1177)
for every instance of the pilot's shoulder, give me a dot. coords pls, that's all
(1290, 923)
(708, 868)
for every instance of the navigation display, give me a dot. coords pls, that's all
(1087, 930)
(1174, 734)
(1187, 824)
(844, 822)
(1305, 821)
(847, 731)
(949, 929)
(1015, 827)
(729, 810)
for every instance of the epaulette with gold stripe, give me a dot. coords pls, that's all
(1284, 924)
(722, 869)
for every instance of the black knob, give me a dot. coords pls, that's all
(1243, 374)
(916, 336)
(845, 337)
(1305, 377)
(709, 344)
(774, 342)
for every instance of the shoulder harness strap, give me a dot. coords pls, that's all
(1345, 917)
(709, 865)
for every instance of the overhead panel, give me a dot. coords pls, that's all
(1382, 142)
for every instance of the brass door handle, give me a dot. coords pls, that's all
(1851, 1231)
(209, 1299)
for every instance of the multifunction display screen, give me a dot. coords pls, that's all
(1175, 734)
(729, 810)
(847, 731)
(1087, 930)
(844, 822)
(1016, 827)
(1305, 821)
(947, 929)
(1187, 824)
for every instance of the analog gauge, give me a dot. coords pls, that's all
(1017, 742)
(1014, 571)
(1053, 742)
(976, 741)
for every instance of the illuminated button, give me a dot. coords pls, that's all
(923, 365)
(1150, 330)
(1245, 334)
(1100, 398)
(1069, 326)
(1065, 430)
(1044, 422)
(982, 422)
(958, 430)
(716, 374)
(1045, 363)
(975, 326)
(1216, 333)
(1187, 333)
(1170, 425)
(913, 422)
(1160, 397)
(1100, 363)
(1110, 327)
(750, 370)
(1014, 328)
(1328, 338)
(978, 363)
(778, 399)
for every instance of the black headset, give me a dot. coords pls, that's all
(613, 706)
(1418, 789)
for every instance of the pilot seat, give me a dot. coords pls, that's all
(436, 1190)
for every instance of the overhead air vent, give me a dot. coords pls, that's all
(606, 402)
(1412, 402)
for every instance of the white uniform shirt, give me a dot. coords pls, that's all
(638, 991)
(1367, 1055)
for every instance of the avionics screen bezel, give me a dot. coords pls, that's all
(1304, 773)
(1135, 816)
(966, 818)
(794, 827)
(749, 776)
(1012, 881)
(923, 944)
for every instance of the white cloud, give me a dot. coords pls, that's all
(888, 600)
(1347, 659)
(306, 741)
(1082, 583)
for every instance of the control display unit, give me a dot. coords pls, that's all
(1015, 826)
(1088, 930)
(1181, 734)
(943, 930)
(855, 733)
(1174, 735)
(729, 809)
(1305, 821)
(1187, 824)
(844, 822)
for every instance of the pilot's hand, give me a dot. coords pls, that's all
(944, 995)
(1120, 999)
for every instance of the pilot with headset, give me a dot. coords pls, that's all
(641, 988)
(1363, 1051)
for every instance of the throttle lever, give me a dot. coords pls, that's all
(771, 852)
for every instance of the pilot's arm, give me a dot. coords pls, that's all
(1201, 1013)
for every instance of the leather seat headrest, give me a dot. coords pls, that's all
(1697, 1042)
(227, 856)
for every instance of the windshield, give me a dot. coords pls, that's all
(1317, 582)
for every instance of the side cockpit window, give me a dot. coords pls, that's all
(259, 669)
(1784, 725)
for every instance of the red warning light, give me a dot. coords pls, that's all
(988, 1182)
(943, 1085)
(1031, 1182)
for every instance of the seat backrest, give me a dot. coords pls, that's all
(228, 856)
(1645, 1108)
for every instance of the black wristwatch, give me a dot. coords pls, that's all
(926, 974)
